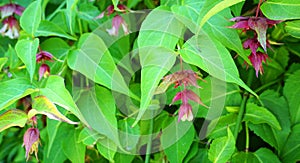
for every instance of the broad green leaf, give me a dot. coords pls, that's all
(13, 90)
(123, 158)
(257, 115)
(47, 28)
(266, 155)
(107, 148)
(100, 113)
(177, 140)
(157, 40)
(129, 136)
(244, 157)
(220, 126)
(26, 51)
(215, 9)
(202, 156)
(93, 60)
(13, 117)
(291, 150)
(211, 56)
(169, 2)
(56, 92)
(2, 62)
(237, 8)
(218, 27)
(279, 107)
(291, 92)
(42, 105)
(56, 133)
(281, 10)
(191, 153)
(89, 136)
(221, 149)
(74, 150)
(31, 17)
(293, 28)
(70, 14)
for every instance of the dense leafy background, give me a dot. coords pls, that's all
(95, 105)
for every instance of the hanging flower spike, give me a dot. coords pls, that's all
(31, 142)
(251, 43)
(185, 113)
(116, 22)
(10, 9)
(256, 60)
(257, 24)
(44, 71)
(186, 95)
(10, 28)
(43, 56)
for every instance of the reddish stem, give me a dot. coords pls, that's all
(258, 8)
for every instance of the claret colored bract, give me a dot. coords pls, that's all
(10, 9)
(10, 27)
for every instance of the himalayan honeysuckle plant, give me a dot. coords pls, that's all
(150, 81)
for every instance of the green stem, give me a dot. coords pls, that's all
(267, 85)
(243, 105)
(57, 10)
(247, 137)
(149, 144)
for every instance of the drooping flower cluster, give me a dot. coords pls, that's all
(117, 20)
(10, 26)
(185, 78)
(259, 25)
(44, 69)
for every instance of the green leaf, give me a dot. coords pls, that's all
(100, 113)
(221, 149)
(26, 51)
(211, 56)
(47, 28)
(56, 92)
(107, 148)
(291, 92)
(89, 136)
(31, 17)
(70, 14)
(257, 115)
(291, 150)
(13, 90)
(74, 150)
(42, 105)
(13, 117)
(177, 139)
(217, 27)
(266, 155)
(93, 60)
(129, 136)
(279, 107)
(244, 157)
(156, 41)
(57, 132)
(215, 9)
(2, 62)
(288, 9)
(218, 127)
(293, 28)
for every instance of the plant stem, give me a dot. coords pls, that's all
(149, 144)
(247, 137)
(267, 85)
(243, 105)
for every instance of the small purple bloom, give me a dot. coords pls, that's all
(185, 113)
(43, 56)
(186, 95)
(44, 71)
(251, 43)
(116, 22)
(31, 142)
(10, 9)
(10, 27)
(256, 60)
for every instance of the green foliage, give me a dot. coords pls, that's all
(107, 86)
